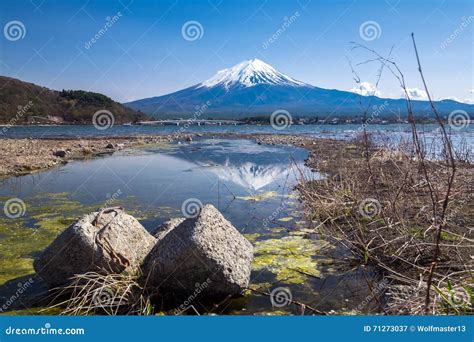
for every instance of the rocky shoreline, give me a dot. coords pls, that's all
(23, 156)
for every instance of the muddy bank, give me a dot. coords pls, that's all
(23, 156)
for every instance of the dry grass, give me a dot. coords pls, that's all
(110, 294)
(377, 202)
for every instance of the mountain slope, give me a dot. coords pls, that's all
(254, 88)
(73, 106)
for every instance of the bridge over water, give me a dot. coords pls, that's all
(182, 122)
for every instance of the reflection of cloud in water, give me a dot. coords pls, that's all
(250, 175)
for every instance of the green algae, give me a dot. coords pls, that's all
(303, 232)
(52, 223)
(290, 258)
(285, 219)
(151, 213)
(259, 197)
(447, 236)
(17, 245)
(275, 230)
(252, 237)
(48, 214)
(33, 311)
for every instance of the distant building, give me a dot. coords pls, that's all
(54, 119)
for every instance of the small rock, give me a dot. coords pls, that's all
(59, 153)
(189, 139)
(207, 250)
(106, 241)
(110, 146)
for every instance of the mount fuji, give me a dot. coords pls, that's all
(253, 88)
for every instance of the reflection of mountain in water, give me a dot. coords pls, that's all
(243, 162)
(250, 175)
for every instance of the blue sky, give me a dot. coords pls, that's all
(143, 53)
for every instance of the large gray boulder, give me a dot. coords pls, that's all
(205, 254)
(107, 241)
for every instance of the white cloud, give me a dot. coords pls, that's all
(366, 89)
(454, 98)
(417, 94)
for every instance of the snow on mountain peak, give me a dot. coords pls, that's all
(249, 73)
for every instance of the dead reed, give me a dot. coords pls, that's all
(407, 209)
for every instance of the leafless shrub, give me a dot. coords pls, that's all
(393, 207)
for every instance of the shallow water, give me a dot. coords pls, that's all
(250, 184)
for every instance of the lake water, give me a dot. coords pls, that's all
(251, 184)
(342, 131)
(388, 135)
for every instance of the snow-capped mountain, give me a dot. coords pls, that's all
(254, 88)
(247, 74)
